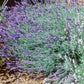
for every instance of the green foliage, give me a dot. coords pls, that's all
(0, 62)
(79, 71)
(3, 9)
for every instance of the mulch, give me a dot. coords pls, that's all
(14, 77)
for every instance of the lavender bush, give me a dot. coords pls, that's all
(37, 35)
(43, 39)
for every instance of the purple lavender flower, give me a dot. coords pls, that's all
(57, 18)
(68, 18)
(28, 62)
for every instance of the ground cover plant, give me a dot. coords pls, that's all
(43, 39)
(80, 69)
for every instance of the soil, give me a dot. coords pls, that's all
(12, 77)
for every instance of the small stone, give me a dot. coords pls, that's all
(48, 81)
(72, 83)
